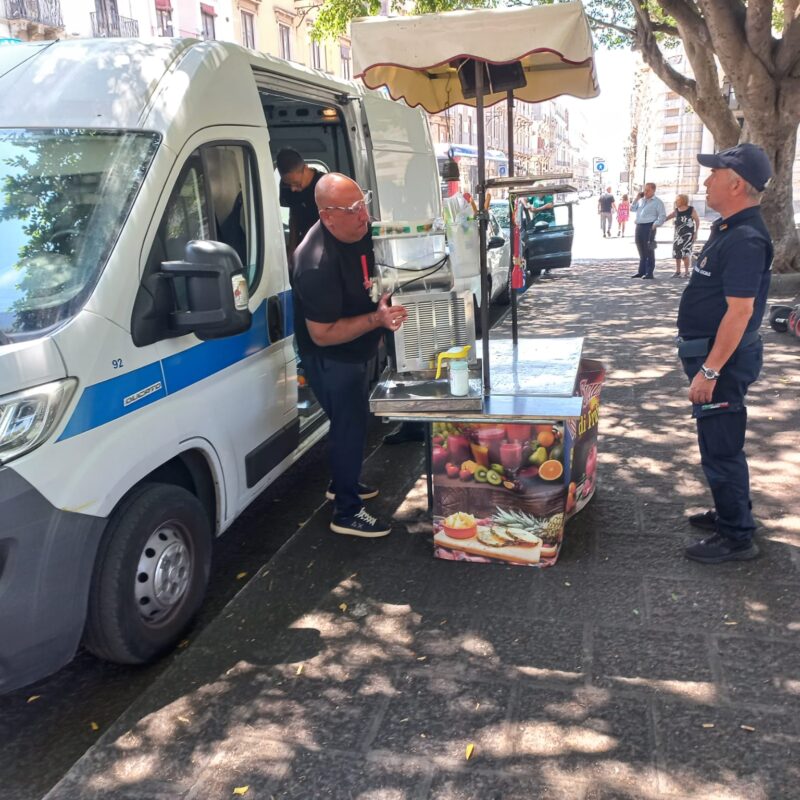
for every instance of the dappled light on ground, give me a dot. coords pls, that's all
(371, 671)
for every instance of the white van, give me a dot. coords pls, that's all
(148, 385)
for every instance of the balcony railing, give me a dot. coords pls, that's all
(113, 26)
(44, 12)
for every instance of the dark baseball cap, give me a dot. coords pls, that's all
(747, 160)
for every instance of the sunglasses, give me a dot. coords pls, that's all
(356, 208)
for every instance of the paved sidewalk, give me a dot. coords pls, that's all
(356, 669)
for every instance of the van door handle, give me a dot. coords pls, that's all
(274, 319)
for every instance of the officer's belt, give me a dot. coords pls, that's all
(750, 337)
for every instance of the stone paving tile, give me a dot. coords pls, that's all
(674, 665)
(567, 597)
(761, 671)
(377, 583)
(316, 707)
(725, 760)
(537, 648)
(577, 547)
(272, 771)
(651, 554)
(162, 755)
(485, 588)
(465, 646)
(470, 785)
(438, 717)
(607, 513)
(453, 644)
(316, 775)
(763, 608)
(254, 765)
(585, 734)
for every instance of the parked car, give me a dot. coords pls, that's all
(498, 255)
(501, 211)
(546, 237)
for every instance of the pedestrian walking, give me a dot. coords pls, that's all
(687, 223)
(650, 213)
(605, 208)
(623, 212)
(719, 345)
(338, 329)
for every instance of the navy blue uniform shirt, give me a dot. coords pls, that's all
(735, 262)
(328, 285)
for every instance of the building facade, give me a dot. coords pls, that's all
(281, 28)
(548, 138)
(667, 135)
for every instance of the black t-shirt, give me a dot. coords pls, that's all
(606, 201)
(328, 284)
(735, 262)
(301, 204)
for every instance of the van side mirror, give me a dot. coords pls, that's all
(214, 303)
(495, 242)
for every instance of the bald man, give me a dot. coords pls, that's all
(337, 330)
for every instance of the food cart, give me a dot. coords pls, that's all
(512, 458)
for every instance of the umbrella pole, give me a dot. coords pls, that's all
(512, 292)
(482, 223)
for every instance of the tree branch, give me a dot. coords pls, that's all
(787, 57)
(758, 30)
(726, 26)
(648, 45)
(658, 27)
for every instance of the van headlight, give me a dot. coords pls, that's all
(28, 417)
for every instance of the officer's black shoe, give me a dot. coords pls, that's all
(707, 520)
(717, 549)
(362, 523)
(637, 275)
(364, 492)
(648, 277)
(407, 432)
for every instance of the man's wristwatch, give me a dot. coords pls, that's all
(709, 374)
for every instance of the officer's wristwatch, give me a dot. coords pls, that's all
(709, 374)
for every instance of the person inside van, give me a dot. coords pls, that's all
(338, 329)
(298, 182)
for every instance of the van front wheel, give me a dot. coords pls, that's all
(150, 575)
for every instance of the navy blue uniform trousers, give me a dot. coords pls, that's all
(647, 253)
(342, 390)
(721, 433)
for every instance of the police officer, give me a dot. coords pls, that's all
(720, 347)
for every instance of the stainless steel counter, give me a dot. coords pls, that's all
(534, 380)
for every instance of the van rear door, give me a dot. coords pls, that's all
(406, 173)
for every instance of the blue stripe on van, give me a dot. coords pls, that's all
(199, 362)
(114, 398)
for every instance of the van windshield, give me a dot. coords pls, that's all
(64, 194)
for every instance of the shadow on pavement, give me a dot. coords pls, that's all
(357, 669)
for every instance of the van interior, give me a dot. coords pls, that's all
(318, 132)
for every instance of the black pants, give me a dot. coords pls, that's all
(343, 392)
(647, 253)
(721, 434)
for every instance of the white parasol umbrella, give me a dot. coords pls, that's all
(413, 57)
(479, 58)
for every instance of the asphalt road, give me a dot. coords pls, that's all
(46, 727)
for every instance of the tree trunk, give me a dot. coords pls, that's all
(779, 141)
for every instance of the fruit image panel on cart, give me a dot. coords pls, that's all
(506, 500)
